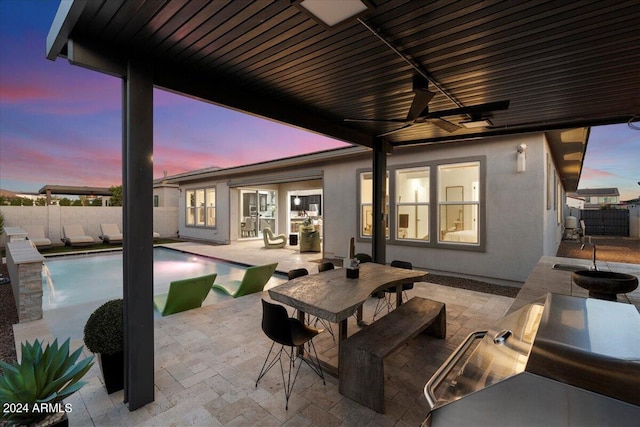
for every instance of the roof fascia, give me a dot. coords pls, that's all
(63, 23)
(97, 58)
(337, 155)
(209, 88)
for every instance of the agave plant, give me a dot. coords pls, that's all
(35, 387)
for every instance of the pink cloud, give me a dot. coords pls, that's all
(596, 174)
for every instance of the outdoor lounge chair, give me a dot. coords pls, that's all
(253, 281)
(74, 235)
(184, 295)
(273, 242)
(110, 233)
(35, 234)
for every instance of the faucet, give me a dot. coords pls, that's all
(593, 264)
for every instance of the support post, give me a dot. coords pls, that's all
(380, 150)
(137, 215)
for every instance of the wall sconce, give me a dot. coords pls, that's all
(521, 158)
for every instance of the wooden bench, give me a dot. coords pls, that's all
(361, 375)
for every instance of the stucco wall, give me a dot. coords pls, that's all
(553, 226)
(53, 217)
(519, 228)
(515, 210)
(218, 234)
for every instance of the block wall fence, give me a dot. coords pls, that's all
(52, 218)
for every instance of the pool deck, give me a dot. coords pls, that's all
(207, 360)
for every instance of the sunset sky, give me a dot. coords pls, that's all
(61, 124)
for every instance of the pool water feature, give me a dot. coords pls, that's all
(75, 280)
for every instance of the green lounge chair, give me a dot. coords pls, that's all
(184, 295)
(253, 281)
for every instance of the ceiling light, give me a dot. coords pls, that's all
(472, 124)
(332, 12)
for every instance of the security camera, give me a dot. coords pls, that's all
(522, 148)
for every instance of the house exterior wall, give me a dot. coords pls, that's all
(53, 217)
(168, 195)
(518, 228)
(554, 207)
(222, 231)
(515, 210)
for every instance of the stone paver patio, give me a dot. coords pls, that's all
(207, 360)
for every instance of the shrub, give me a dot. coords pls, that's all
(103, 331)
(41, 380)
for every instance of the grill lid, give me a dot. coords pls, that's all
(587, 343)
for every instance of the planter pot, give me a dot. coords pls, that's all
(112, 367)
(353, 273)
(57, 419)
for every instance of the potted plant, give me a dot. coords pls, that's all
(33, 390)
(103, 335)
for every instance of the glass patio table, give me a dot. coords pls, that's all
(330, 295)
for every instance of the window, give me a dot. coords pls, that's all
(439, 203)
(366, 204)
(201, 207)
(412, 203)
(156, 200)
(459, 202)
(211, 207)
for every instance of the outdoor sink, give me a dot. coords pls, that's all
(569, 267)
(604, 284)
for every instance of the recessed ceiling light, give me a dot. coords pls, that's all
(332, 12)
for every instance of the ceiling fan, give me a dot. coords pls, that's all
(419, 112)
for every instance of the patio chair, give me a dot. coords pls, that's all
(74, 235)
(299, 272)
(253, 281)
(290, 332)
(35, 234)
(184, 295)
(325, 266)
(362, 257)
(110, 233)
(389, 293)
(272, 241)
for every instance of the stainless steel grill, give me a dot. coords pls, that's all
(561, 360)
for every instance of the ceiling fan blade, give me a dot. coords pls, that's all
(420, 102)
(376, 120)
(445, 124)
(471, 110)
(396, 130)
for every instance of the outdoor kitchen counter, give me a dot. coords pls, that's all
(544, 279)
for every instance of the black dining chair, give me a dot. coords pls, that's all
(299, 272)
(325, 266)
(288, 332)
(389, 293)
(362, 257)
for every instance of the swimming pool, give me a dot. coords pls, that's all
(74, 280)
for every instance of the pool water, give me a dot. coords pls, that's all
(73, 280)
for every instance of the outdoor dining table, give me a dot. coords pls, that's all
(332, 296)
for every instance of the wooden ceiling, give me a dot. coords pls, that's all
(561, 64)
